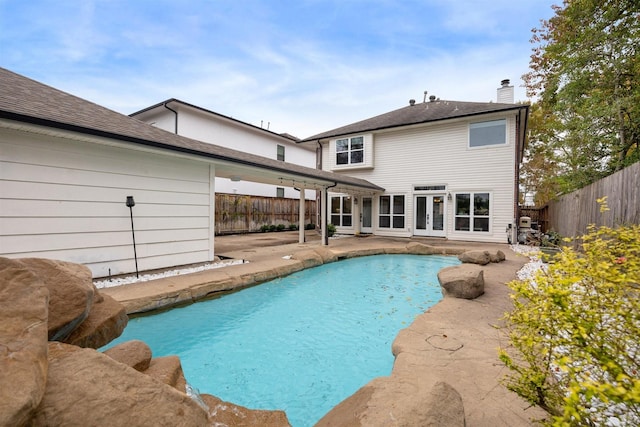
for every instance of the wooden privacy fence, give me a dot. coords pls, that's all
(572, 213)
(236, 213)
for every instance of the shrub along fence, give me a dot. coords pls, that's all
(572, 213)
(236, 213)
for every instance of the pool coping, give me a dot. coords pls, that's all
(474, 370)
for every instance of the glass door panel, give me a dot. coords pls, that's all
(421, 213)
(366, 215)
(437, 213)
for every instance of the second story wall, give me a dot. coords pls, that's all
(439, 154)
(226, 132)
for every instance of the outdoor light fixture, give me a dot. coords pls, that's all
(235, 178)
(130, 204)
(449, 196)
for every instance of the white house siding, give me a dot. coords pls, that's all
(65, 199)
(438, 154)
(213, 129)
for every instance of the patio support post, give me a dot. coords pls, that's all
(301, 217)
(323, 203)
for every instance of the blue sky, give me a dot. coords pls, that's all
(303, 66)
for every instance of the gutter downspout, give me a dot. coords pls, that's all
(319, 167)
(521, 136)
(325, 231)
(174, 112)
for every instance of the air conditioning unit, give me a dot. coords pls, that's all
(525, 222)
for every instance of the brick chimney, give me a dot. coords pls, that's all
(505, 93)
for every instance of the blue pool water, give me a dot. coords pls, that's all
(301, 343)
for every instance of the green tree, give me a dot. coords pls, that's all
(585, 72)
(540, 166)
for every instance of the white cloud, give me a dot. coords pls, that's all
(336, 63)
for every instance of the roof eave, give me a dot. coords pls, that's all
(321, 137)
(204, 110)
(178, 149)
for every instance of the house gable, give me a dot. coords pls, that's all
(213, 128)
(449, 155)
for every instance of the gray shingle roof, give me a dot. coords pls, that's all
(26, 100)
(204, 110)
(415, 114)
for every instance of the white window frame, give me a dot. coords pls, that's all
(481, 135)
(392, 215)
(343, 213)
(473, 214)
(350, 150)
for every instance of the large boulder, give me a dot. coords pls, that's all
(23, 342)
(228, 414)
(462, 281)
(78, 313)
(475, 257)
(437, 406)
(168, 370)
(416, 248)
(105, 322)
(88, 388)
(134, 353)
(71, 293)
(497, 256)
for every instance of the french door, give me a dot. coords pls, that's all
(429, 215)
(366, 215)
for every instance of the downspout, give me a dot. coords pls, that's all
(319, 167)
(319, 155)
(326, 214)
(174, 112)
(521, 136)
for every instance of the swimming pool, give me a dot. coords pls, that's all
(301, 343)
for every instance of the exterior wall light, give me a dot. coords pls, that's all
(449, 197)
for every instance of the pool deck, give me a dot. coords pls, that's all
(455, 341)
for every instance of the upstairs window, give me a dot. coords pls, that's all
(483, 134)
(350, 151)
(280, 152)
(279, 192)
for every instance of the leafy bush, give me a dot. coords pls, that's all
(551, 239)
(331, 230)
(310, 226)
(264, 228)
(272, 227)
(280, 227)
(293, 227)
(574, 332)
